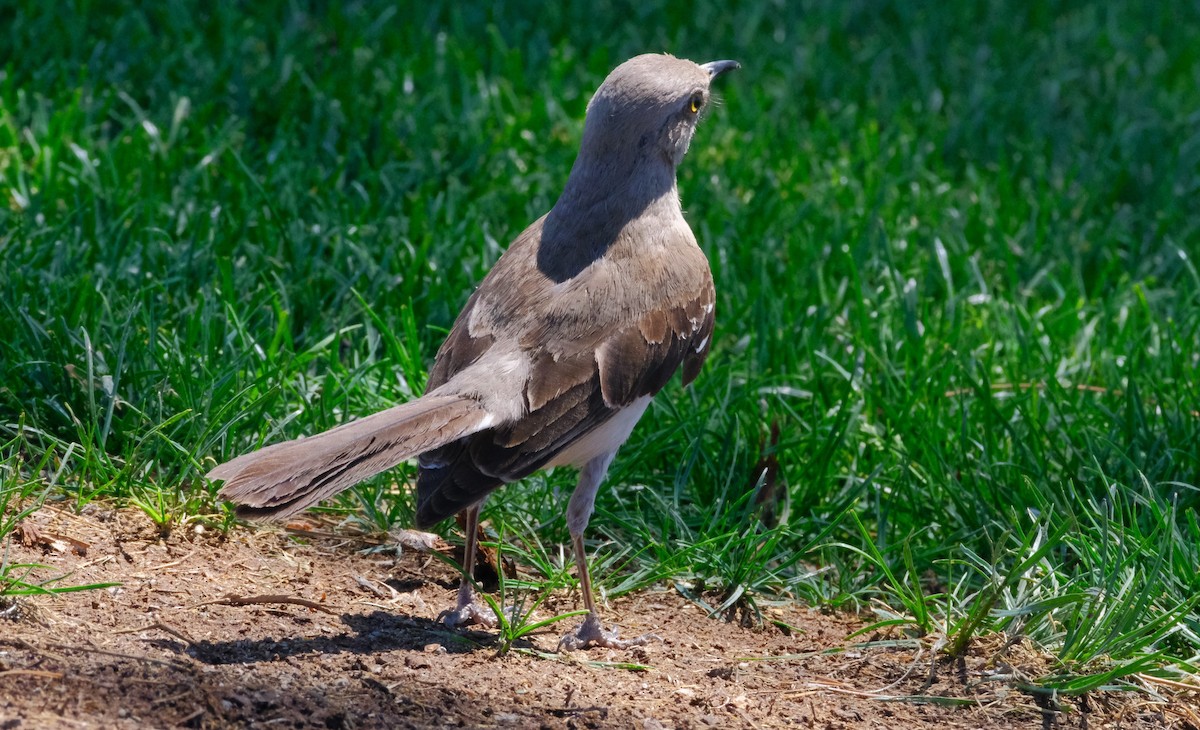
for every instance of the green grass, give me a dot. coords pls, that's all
(954, 247)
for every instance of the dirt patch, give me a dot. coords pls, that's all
(168, 648)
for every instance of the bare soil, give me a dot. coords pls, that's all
(260, 628)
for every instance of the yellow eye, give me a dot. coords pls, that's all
(695, 105)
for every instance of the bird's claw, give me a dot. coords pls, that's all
(469, 614)
(591, 633)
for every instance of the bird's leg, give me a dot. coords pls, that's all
(467, 610)
(579, 511)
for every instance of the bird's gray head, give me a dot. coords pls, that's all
(639, 125)
(651, 102)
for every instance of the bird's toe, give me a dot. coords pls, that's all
(593, 634)
(470, 614)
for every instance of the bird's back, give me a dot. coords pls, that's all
(615, 330)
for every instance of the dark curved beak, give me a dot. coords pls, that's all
(716, 68)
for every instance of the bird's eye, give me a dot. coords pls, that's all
(695, 104)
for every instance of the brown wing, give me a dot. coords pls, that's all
(566, 397)
(617, 329)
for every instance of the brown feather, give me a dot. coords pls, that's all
(567, 396)
(286, 478)
(550, 376)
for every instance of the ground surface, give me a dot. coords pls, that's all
(162, 651)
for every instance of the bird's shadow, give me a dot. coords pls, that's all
(371, 633)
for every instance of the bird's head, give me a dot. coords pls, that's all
(653, 102)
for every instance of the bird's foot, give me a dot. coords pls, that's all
(591, 633)
(468, 614)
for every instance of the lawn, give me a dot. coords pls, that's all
(955, 380)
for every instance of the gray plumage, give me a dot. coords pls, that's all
(589, 312)
(286, 478)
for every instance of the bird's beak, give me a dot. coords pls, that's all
(716, 68)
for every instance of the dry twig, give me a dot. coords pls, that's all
(232, 600)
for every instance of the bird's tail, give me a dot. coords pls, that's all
(284, 479)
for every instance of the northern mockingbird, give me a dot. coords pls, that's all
(556, 355)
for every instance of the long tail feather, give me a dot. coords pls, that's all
(284, 479)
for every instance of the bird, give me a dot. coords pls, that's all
(557, 353)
